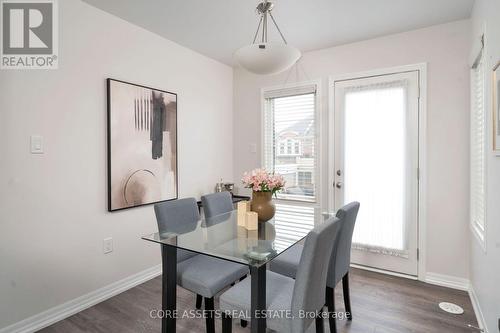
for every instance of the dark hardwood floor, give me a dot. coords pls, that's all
(380, 304)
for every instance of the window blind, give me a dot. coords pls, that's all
(478, 143)
(287, 92)
(290, 140)
(293, 223)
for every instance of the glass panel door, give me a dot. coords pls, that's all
(376, 164)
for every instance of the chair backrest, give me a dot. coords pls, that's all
(217, 203)
(310, 281)
(341, 255)
(178, 216)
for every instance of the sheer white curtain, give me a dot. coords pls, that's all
(375, 164)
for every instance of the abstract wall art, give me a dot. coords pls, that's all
(142, 145)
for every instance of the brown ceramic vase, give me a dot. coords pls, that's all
(262, 204)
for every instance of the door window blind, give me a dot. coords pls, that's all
(478, 143)
(290, 140)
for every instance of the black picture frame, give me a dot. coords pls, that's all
(109, 144)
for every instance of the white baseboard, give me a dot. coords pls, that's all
(431, 278)
(477, 309)
(382, 271)
(62, 311)
(447, 281)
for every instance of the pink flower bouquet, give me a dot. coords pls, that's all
(259, 180)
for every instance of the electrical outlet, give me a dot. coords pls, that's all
(107, 245)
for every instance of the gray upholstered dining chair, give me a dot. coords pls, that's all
(285, 295)
(201, 274)
(288, 262)
(216, 204)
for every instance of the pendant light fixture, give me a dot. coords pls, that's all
(266, 57)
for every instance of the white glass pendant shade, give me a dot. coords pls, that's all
(267, 58)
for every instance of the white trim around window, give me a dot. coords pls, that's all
(298, 88)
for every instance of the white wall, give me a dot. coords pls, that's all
(485, 266)
(53, 207)
(445, 48)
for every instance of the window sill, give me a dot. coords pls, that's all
(291, 199)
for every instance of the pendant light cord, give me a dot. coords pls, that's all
(257, 32)
(278, 28)
(264, 28)
(263, 23)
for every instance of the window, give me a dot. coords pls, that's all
(292, 229)
(296, 147)
(289, 147)
(282, 148)
(289, 140)
(304, 178)
(477, 148)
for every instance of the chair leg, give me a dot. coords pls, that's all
(320, 328)
(199, 300)
(227, 323)
(330, 303)
(347, 297)
(209, 314)
(243, 322)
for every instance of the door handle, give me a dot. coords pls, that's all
(339, 185)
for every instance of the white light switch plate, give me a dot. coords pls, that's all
(107, 245)
(253, 148)
(36, 144)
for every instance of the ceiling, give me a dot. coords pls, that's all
(217, 28)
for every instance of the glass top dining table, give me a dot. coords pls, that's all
(221, 237)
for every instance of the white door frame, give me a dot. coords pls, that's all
(422, 148)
